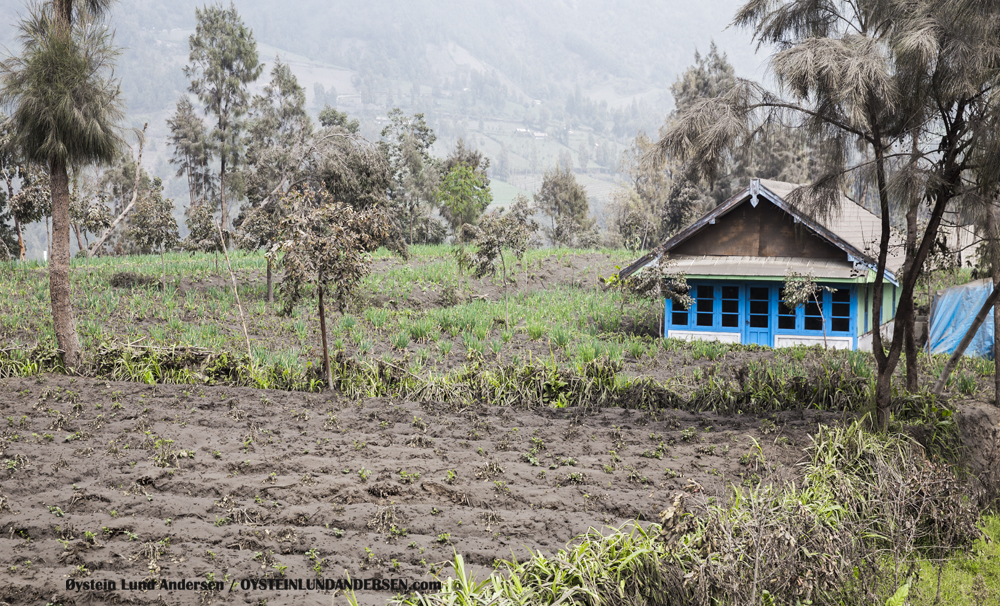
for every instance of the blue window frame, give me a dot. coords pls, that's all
(727, 306)
(716, 307)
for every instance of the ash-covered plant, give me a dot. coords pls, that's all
(203, 233)
(801, 289)
(152, 225)
(497, 232)
(654, 284)
(328, 244)
(868, 508)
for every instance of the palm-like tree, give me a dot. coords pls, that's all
(65, 110)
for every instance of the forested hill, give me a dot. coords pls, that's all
(528, 82)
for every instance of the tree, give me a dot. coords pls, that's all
(564, 200)
(800, 289)
(414, 177)
(500, 231)
(463, 196)
(33, 200)
(327, 243)
(223, 62)
(66, 110)
(278, 134)
(11, 168)
(152, 225)
(641, 210)
(873, 78)
(192, 150)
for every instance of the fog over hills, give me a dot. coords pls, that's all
(498, 73)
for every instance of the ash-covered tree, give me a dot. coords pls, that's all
(223, 63)
(11, 167)
(203, 232)
(279, 139)
(151, 226)
(328, 244)
(66, 109)
(640, 208)
(464, 192)
(497, 233)
(414, 176)
(565, 202)
(870, 83)
(462, 196)
(88, 212)
(801, 290)
(33, 200)
(192, 151)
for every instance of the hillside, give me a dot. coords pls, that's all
(523, 81)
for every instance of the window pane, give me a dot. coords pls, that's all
(730, 292)
(843, 295)
(758, 293)
(758, 307)
(730, 307)
(841, 310)
(730, 320)
(706, 292)
(679, 318)
(786, 322)
(758, 321)
(704, 319)
(814, 323)
(705, 305)
(812, 309)
(784, 310)
(841, 324)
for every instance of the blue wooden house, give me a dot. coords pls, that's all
(736, 258)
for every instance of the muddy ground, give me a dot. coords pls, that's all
(110, 481)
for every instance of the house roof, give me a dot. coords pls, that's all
(761, 267)
(848, 226)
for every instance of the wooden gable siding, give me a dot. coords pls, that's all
(764, 231)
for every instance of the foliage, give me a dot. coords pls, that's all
(413, 174)
(463, 196)
(203, 232)
(151, 225)
(66, 102)
(223, 62)
(499, 231)
(327, 243)
(564, 200)
(192, 151)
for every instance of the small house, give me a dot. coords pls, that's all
(736, 258)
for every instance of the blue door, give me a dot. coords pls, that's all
(758, 319)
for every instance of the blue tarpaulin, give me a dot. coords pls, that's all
(952, 314)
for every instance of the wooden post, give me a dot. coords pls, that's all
(327, 371)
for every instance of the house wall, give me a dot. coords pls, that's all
(764, 231)
(890, 299)
(737, 310)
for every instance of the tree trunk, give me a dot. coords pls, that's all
(969, 334)
(884, 364)
(993, 233)
(224, 217)
(20, 239)
(135, 194)
(909, 310)
(59, 286)
(79, 240)
(327, 371)
(270, 283)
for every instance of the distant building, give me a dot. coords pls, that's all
(736, 258)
